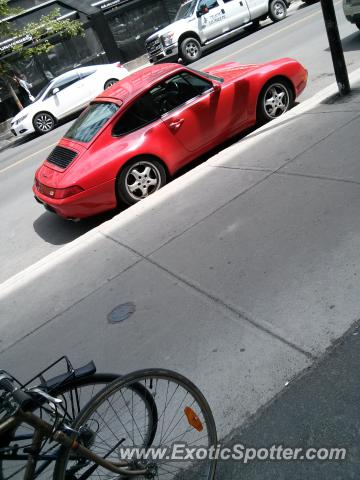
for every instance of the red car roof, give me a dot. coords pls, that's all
(131, 86)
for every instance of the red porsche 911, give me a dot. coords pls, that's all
(136, 134)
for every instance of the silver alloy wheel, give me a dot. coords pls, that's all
(44, 122)
(192, 49)
(278, 9)
(142, 179)
(276, 100)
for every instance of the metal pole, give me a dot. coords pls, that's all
(336, 49)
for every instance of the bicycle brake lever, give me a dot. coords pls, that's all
(52, 401)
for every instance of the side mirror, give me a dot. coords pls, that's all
(56, 90)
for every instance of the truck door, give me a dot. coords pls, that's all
(214, 22)
(237, 13)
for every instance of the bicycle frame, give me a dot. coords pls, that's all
(44, 429)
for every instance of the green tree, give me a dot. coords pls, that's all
(33, 39)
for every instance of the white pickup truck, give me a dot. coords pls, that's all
(200, 23)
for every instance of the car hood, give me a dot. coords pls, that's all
(169, 28)
(231, 70)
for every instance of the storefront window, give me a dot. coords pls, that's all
(131, 25)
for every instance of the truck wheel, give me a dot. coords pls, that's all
(190, 50)
(277, 10)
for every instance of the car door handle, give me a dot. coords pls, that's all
(176, 124)
(222, 10)
(241, 4)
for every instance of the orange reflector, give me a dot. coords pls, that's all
(193, 419)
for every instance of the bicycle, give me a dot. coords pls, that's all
(75, 387)
(149, 409)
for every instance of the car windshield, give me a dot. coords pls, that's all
(91, 121)
(42, 91)
(185, 10)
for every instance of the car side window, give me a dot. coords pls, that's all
(87, 73)
(177, 90)
(138, 115)
(64, 83)
(208, 3)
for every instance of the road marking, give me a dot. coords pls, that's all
(269, 36)
(26, 158)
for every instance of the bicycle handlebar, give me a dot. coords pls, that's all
(22, 398)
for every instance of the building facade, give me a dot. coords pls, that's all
(114, 30)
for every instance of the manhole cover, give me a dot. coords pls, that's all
(121, 312)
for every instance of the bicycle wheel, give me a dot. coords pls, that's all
(119, 422)
(76, 394)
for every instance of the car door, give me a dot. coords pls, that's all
(92, 82)
(190, 107)
(66, 95)
(214, 22)
(237, 13)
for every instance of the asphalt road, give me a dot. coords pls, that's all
(29, 233)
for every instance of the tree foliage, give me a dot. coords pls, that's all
(35, 38)
(37, 35)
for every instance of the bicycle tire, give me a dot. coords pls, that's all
(96, 379)
(118, 390)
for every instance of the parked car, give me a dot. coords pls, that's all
(64, 95)
(137, 134)
(352, 11)
(201, 23)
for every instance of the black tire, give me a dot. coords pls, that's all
(358, 24)
(277, 10)
(140, 178)
(109, 83)
(275, 99)
(171, 392)
(8, 469)
(190, 50)
(43, 122)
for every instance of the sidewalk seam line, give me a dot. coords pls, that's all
(216, 300)
(317, 177)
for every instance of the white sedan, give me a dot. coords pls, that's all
(70, 92)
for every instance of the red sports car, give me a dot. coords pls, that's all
(136, 134)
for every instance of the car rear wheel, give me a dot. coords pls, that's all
(277, 10)
(358, 24)
(139, 179)
(275, 99)
(110, 82)
(190, 50)
(43, 122)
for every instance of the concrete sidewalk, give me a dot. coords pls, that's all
(242, 272)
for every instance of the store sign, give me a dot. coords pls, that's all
(10, 44)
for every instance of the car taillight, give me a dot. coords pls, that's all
(57, 193)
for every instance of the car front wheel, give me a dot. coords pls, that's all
(139, 179)
(277, 10)
(190, 50)
(275, 99)
(43, 122)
